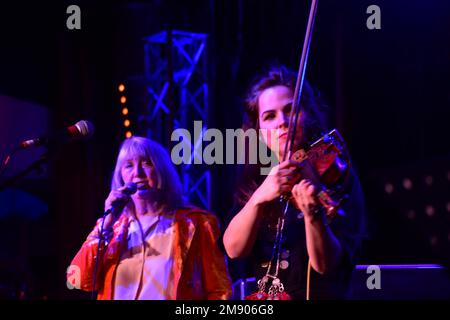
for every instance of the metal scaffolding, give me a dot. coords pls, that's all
(177, 87)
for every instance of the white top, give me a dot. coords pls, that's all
(144, 272)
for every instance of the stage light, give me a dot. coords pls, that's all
(123, 99)
(429, 210)
(411, 214)
(125, 111)
(434, 240)
(389, 188)
(126, 123)
(128, 134)
(121, 88)
(407, 184)
(429, 180)
(448, 206)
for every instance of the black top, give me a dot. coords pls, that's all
(294, 258)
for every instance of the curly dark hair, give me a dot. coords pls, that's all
(313, 121)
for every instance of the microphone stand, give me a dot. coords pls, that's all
(97, 257)
(36, 165)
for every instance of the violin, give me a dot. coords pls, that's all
(326, 164)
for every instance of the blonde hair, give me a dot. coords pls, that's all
(168, 181)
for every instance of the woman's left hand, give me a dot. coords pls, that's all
(304, 198)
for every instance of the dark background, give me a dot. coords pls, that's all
(388, 92)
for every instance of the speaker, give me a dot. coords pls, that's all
(383, 282)
(400, 282)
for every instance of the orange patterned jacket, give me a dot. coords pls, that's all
(199, 269)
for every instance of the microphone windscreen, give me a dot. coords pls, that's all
(86, 128)
(130, 188)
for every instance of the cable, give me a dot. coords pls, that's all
(308, 278)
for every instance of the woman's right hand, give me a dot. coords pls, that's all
(116, 199)
(280, 181)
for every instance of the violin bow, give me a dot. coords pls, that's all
(296, 108)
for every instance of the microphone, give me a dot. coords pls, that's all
(81, 130)
(128, 189)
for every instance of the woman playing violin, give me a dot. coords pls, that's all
(307, 237)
